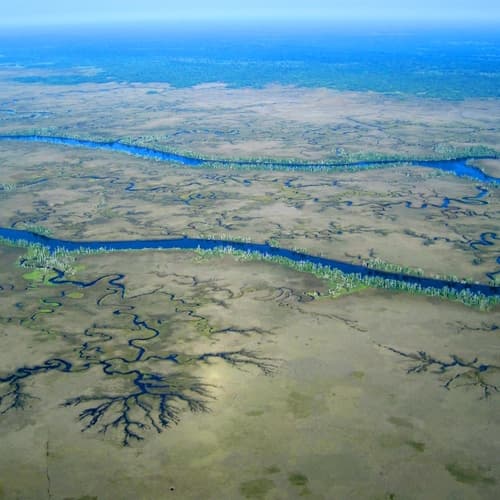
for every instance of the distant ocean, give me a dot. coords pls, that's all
(433, 61)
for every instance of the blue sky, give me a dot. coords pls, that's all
(29, 12)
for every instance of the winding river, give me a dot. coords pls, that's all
(261, 248)
(458, 166)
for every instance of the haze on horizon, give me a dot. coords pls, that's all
(60, 12)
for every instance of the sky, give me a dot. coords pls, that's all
(49, 12)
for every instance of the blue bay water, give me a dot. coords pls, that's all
(432, 61)
(264, 249)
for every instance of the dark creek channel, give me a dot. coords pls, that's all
(459, 166)
(53, 244)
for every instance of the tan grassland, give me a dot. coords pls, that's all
(491, 167)
(277, 121)
(273, 389)
(340, 418)
(346, 215)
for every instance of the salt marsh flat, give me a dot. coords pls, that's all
(207, 376)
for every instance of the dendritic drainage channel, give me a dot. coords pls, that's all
(454, 372)
(155, 387)
(158, 387)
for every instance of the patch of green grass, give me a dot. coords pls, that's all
(256, 488)
(254, 413)
(468, 474)
(400, 422)
(86, 497)
(416, 445)
(39, 276)
(273, 469)
(298, 479)
(299, 404)
(36, 228)
(203, 327)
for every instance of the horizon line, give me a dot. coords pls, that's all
(253, 19)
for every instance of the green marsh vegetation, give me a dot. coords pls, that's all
(341, 284)
(41, 262)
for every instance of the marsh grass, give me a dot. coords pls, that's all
(38, 257)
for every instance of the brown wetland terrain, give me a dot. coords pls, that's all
(180, 374)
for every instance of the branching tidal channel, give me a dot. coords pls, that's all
(153, 398)
(155, 387)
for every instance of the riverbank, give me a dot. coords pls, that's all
(456, 166)
(343, 277)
